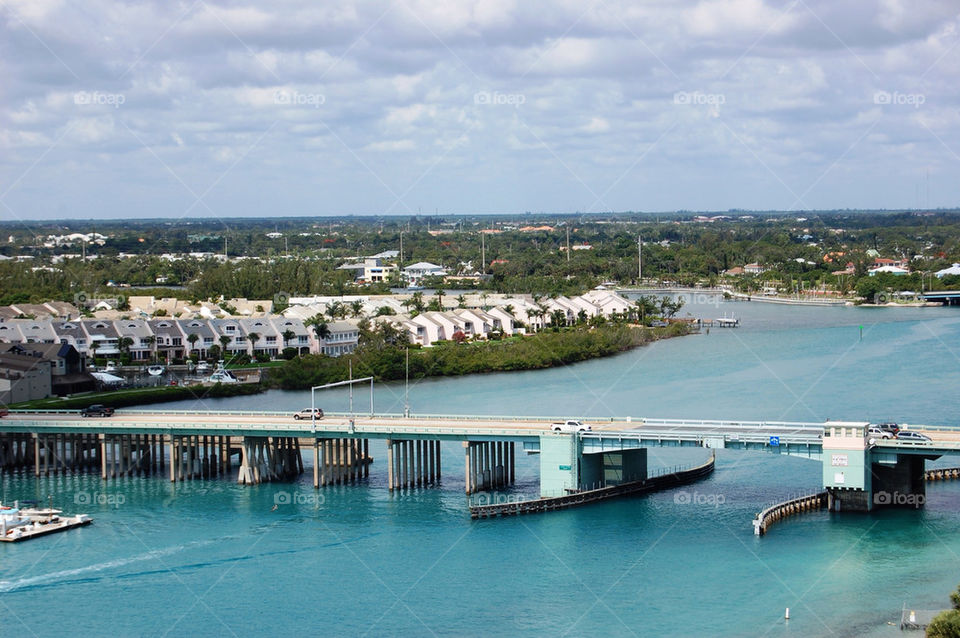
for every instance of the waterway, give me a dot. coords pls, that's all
(214, 558)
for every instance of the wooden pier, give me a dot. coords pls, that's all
(780, 511)
(583, 497)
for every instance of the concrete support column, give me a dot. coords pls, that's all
(36, 455)
(437, 444)
(366, 458)
(173, 457)
(513, 462)
(418, 452)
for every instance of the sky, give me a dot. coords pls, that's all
(112, 109)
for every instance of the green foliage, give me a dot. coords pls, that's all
(386, 361)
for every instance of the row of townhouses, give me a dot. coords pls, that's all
(170, 339)
(511, 315)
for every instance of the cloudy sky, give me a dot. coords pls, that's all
(215, 108)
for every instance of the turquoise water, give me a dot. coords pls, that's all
(212, 557)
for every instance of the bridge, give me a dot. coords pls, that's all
(946, 297)
(269, 446)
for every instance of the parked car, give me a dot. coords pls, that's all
(97, 409)
(570, 426)
(916, 437)
(892, 428)
(305, 414)
(875, 432)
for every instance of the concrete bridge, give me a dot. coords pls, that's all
(859, 473)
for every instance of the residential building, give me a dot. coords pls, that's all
(415, 273)
(24, 378)
(67, 366)
(343, 338)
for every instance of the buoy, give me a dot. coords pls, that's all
(786, 614)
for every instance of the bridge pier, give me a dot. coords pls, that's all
(488, 465)
(412, 463)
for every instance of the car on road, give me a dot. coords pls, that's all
(305, 414)
(571, 425)
(916, 437)
(890, 427)
(97, 409)
(875, 432)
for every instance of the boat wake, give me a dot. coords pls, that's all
(86, 573)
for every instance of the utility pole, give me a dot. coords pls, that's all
(568, 244)
(639, 259)
(483, 252)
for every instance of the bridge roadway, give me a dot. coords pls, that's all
(803, 439)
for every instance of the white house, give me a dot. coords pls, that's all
(952, 270)
(415, 273)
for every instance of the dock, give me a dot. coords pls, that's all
(576, 498)
(917, 619)
(722, 322)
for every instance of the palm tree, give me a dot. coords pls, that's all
(287, 335)
(461, 301)
(417, 301)
(193, 338)
(440, 293)
(254, 337)
(334, 309)
(224, 342)
(356, 308)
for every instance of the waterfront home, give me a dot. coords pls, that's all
(343, 338)
(303, 339)
(71, 332)
(507, 322)
(262, 336)
(415, 273)
(139, 333)
(609, 302)
(429, 330)
(754, 269)
(230, 336)
(206, 337)
(102, 338)
(169, 339)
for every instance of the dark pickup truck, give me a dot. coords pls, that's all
(96, 410)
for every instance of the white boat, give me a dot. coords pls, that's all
(202, 368)
(111, 366)
(20, 524)
(156, 370)
(221, 375)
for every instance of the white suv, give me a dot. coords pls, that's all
(305, 414)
